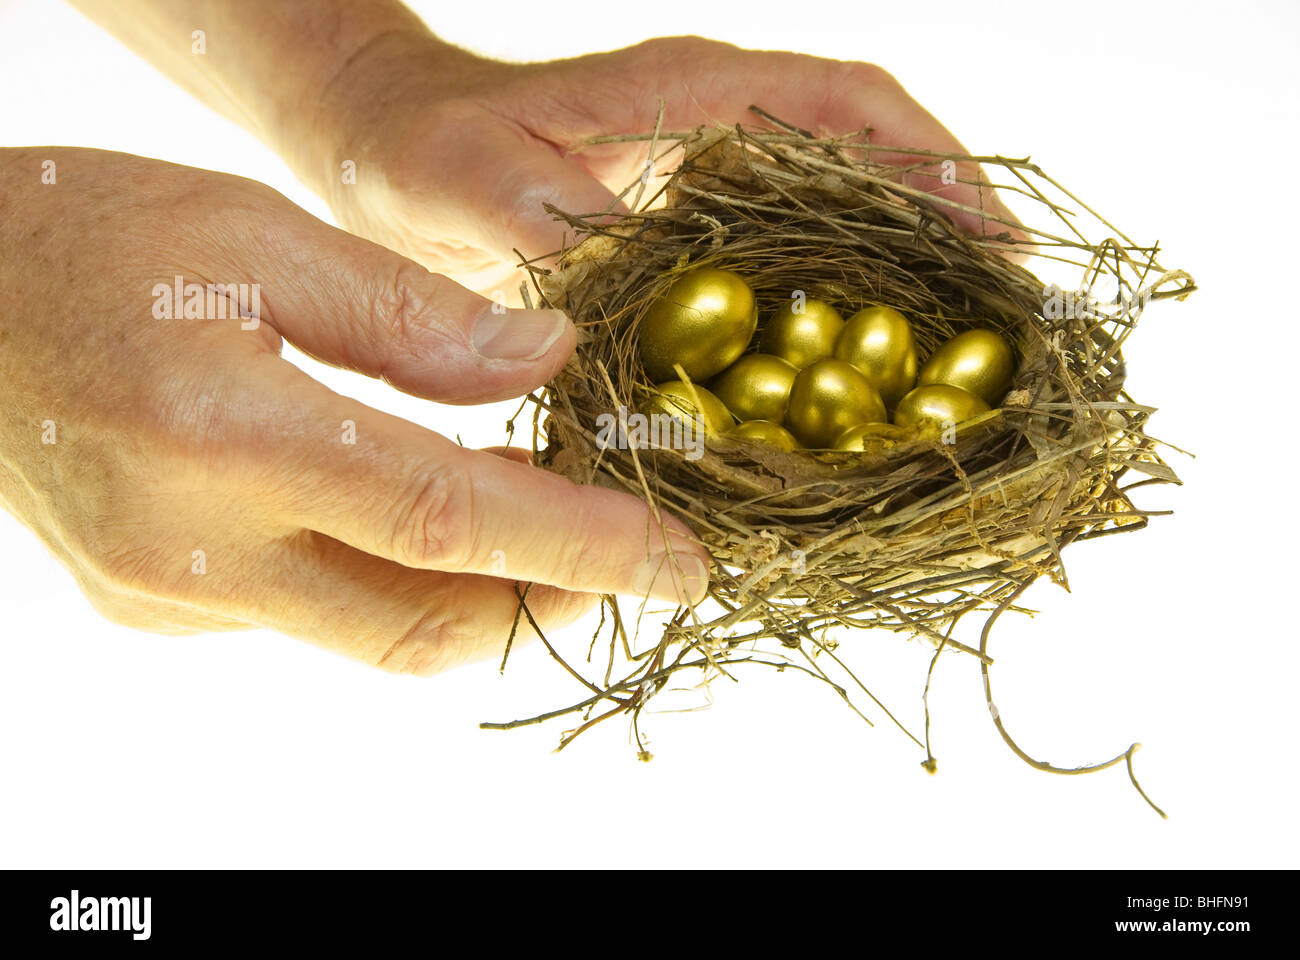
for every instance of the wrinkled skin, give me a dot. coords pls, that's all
(172, 436)
(197, 481)
(453, 170)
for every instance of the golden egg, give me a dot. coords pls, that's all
(979, 361)
(827, 398)
(755, 387)
(936, 405)
(765, 431)
(872, 436)
(687, 400)
(704, 322)
(802, 332)
(878, 341)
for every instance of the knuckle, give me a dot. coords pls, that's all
(855, 75)
(686, 54)
(133, 570)
(687, 46)
(434, 642)
(406, 310)
(140, 613)
(522, 194)
(435, 525)
(111, 607)
(399, 305)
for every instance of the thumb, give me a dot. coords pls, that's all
(355, 304)
(496, 194)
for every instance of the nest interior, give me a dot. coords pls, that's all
(912, 537)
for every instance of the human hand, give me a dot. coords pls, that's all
(191, 479)
(454, 156)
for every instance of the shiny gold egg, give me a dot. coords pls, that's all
(802, 332)
(755, 387)
(765, 431)
(704, 322)
(978, 361)
(827, 398)
(878, 341)
(872, 436)
(686, 401)
(936, 405)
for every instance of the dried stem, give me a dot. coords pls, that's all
(911, 538)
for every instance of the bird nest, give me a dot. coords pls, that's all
(914, 536)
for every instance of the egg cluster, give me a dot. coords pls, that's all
(818, 381)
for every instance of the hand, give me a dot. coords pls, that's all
(454, 156)
(192, 479)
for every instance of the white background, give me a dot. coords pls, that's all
(1178, 120)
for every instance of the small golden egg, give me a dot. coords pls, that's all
(755, 387)
(802, 332)
(827, 398)
(872, 436)
(878, 341)
(704, 322)
(936, 405)
(765, 431)
(978, 361)
(687, 400)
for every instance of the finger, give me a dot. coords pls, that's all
(161, 615)
(833, 98)
(355, 304)
(406, 621)
(498, 191)
(872, 97)
(711, 82)
(403, 493)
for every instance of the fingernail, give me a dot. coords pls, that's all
(502, 334)
(681, 578)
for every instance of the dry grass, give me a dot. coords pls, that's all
(912, 539)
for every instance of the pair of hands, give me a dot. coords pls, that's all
(193, 480)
